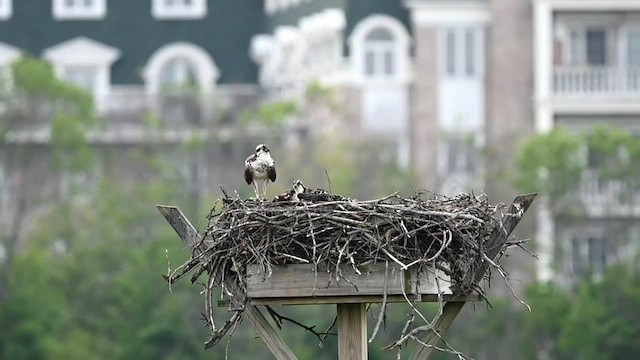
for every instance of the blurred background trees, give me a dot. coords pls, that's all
(81, 278)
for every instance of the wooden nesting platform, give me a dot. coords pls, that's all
(304, 284)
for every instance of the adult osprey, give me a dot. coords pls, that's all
(260, 168)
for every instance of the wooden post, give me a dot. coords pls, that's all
(352, 331)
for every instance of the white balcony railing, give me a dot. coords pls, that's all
(609, 197)
(596, 80)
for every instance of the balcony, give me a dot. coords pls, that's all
(596, 81)
(609, 197)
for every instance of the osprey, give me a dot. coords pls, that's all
(292, 194)
(259, 168)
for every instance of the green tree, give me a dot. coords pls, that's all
(38, 98)
(604, 322)
(550, 163)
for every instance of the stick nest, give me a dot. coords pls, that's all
(328, 230)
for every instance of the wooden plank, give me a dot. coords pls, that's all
(352, 331)
(427, 285)
(298, 280)
(189, 235)
(180, 224)
(353, 299)
(496, 241)
(451, 298)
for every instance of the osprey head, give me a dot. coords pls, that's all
(261, 149)
(298, 187)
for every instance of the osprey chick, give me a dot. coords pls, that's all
(291, 194)
(259, 168)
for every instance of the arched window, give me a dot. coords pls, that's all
(178, 74)
(379, 49)
(178, 65)
(380, 56)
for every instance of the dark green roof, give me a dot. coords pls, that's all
(225, 33)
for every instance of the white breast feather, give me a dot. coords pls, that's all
(260, 166)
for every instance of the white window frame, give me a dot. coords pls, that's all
(582, 58)
(94, 70)
(62, 11)
(161, 11)
(357, 49)
(6, 9)
(383, 55)
(85, 52)
(460, 53)
(627, 35)
(207, 70)
(579, 252)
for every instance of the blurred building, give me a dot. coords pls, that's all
(465, 82)
(587, 71)
(141, 56)
(452, 85)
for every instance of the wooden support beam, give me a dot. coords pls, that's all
(265, 331)
(494, 245)
(352, 331)
(268, 334)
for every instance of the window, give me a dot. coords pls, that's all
(588, 255)
(79, 186)
(79, 9)
(462, 52)
(180, 63)
(469, 52)
(85, 77)
(379, 53)
(588, 46)
(461, 155)
(179, 9)
(86, 63)
(451, 61)
(379, 49)
(633, 48)
(178, 75)
(6, 9)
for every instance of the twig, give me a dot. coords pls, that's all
(278, 319)
(383, 305)
(326, 173)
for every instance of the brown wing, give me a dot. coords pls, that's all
(271, 171)
(248, 175)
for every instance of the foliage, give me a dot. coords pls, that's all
(553, 163)
(543, 327)
(272, 114)
(550, 163)
(318, 94)
(71, 108)
(616, 152)
(604, 322)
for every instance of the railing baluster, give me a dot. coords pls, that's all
(596, 80)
